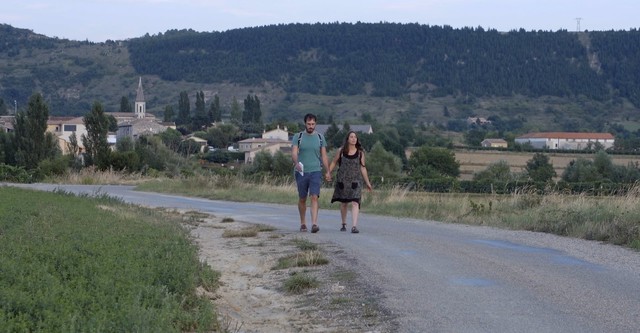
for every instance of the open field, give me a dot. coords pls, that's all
(472, 161)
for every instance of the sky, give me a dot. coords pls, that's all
(101, 20)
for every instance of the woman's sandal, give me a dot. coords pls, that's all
(354, 230)
(303, 228)
(344, 227)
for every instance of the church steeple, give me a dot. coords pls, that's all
(140, 104)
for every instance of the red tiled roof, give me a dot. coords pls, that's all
(568, 135)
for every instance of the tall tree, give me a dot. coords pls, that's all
(3, 107)
(125, 105)
(200, 118)
(32, 143)
(252, 113)
(95, 141)
(73, 145)
(168, 113)
(333, 137)
(236, 113)
(215, 112)
(184, 109)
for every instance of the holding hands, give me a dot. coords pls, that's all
(327, 176)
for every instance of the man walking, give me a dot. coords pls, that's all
(309, 155)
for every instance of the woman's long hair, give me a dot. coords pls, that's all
(345, 146)
(346, 143)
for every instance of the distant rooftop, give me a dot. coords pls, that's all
(322, 129)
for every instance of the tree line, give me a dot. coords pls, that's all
(341, 58)
(30, 153)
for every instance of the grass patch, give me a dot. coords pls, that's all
(265, 228)
(340, 300)
(244, 232)
(227, 220)
(79, 264)
(93, 176)
(304, 244)
(302, 259)
(345, 275)
(250, 231)
(299, 282)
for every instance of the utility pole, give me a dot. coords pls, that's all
(578, 23)
(15, 107)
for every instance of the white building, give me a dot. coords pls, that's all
(252, 146)
(277, 133)
(64, 127)
(566, 140)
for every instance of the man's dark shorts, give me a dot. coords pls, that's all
(309, 184)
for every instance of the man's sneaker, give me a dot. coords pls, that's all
(303, 228)
(314, 228)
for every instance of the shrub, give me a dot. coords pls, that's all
(127, 160)
(15, 174)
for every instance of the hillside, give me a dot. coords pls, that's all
(425, 75)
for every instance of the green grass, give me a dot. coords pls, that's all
(302, 259)
(250, 231)
(79, 264)
(611, 219)
(299, 282)
(304, 244)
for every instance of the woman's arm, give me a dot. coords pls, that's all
(334, 162)
(365, 174)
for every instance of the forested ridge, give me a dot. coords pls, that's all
(341, 58)
(595, 71)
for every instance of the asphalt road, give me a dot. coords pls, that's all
(440, 277)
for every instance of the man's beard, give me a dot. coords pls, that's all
(310, 130)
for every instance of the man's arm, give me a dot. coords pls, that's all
(325, 162)
(294, 157)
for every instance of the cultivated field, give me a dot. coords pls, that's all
(472, 161)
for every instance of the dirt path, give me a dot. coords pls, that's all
(252, 297)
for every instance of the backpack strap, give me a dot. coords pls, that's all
(319, 138)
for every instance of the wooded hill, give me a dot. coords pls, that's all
(542, 80)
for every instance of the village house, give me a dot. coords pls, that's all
(280, 140)
(6, 123)
(477, 121)
(63, 128)
(139, 123)
(199, 142)
(566, 140)
(277, 133)
(271, 141)
(135, 128)
(494, 143)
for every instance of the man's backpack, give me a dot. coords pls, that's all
(300, 138)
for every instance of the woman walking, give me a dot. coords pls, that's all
(351, 174)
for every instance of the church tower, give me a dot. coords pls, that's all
(140, 104)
